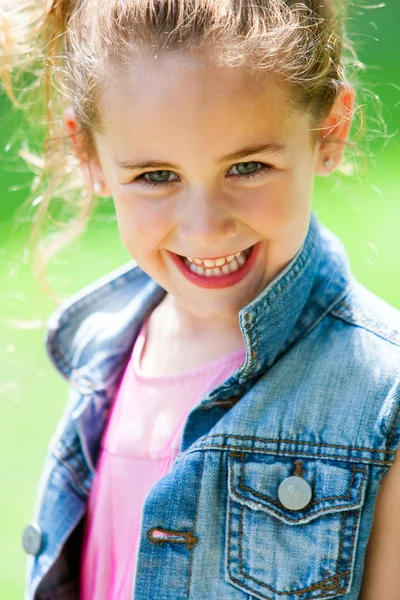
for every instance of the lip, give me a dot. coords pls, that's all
(220, 281)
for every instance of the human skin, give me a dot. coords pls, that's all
(190, 112)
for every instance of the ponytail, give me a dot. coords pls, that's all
(32, 57)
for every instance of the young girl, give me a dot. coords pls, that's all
(233, 422)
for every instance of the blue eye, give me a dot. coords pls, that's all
(156, 179)
(251, 169)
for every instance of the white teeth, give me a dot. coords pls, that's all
(217, 267)
(209, 263)
(233, 265)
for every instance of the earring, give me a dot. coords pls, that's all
(329, 163)
(98, 187)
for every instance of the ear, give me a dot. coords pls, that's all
(90, 165)
(334, 131)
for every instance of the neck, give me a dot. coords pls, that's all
(173, 319)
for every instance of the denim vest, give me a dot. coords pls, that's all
(317, 400)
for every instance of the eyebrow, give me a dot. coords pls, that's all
(270, 148)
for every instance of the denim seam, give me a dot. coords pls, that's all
(228, 448)
(199, 485)
(318, 444)
(314, 513)
(253, 313)
(388, 337)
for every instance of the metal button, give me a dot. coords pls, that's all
(294, 492)
(32, 539)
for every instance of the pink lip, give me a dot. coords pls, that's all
(221, 281)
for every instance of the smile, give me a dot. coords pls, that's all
(219, 266)
(217, 272)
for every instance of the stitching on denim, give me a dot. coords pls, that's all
(199, 485)
(322, 510)
(83, 299)
(188, 538)
(299, 267)
(279, 505)
(286, 453)
(356, 518)
(381, 332)
(253, 346)
(75, 480)
(341, 540)
(230, 529)
(301, 264)
(268, 440)
(326, 585)
(330, 583)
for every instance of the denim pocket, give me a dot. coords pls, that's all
(276, 553)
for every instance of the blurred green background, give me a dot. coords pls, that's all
(363, 210)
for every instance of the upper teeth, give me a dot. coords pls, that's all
(212, 263)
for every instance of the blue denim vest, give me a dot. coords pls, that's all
(318, 398)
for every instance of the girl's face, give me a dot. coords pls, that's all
(205, 162)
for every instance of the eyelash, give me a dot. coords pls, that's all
(246, 177)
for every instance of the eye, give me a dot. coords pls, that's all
(250, 170)
(244, 171)
(156, 178)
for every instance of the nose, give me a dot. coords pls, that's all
(205, 219)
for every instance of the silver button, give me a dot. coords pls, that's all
(294, 492)
(32, 539)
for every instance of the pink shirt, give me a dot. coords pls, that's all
(140, 443)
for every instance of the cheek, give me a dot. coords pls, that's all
(277, 208)
(141, 223)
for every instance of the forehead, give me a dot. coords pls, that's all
(178, 102)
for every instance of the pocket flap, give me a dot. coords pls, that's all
(254, 480)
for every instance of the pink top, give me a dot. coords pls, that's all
(140, 443)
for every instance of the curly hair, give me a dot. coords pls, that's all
(70, 49)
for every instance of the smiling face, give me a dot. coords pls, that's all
(204, 162)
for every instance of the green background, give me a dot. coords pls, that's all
(363, 210)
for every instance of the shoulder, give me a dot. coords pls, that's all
(360, 348)
(98, 319)
(363, 310)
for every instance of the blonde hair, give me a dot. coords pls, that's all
(68, 49)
